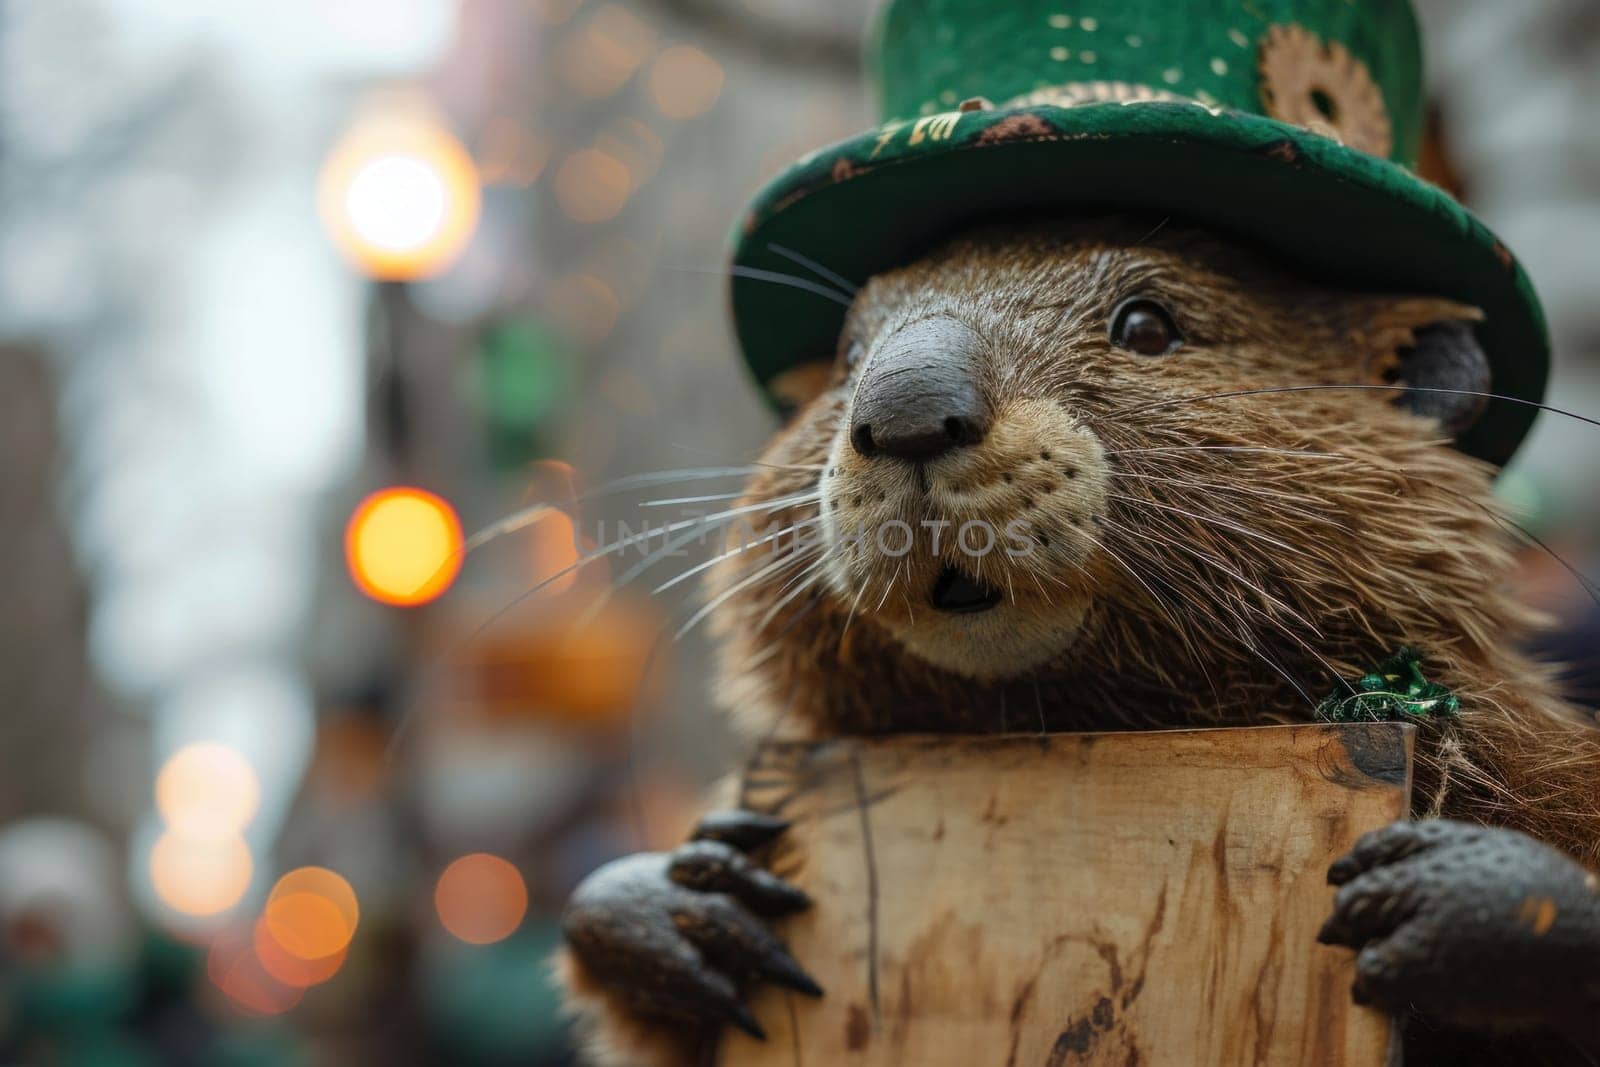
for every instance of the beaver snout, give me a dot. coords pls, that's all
(918, 396)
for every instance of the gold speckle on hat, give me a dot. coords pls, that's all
(1323, 88)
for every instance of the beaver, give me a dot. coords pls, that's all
(1218, 488)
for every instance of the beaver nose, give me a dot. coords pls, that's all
(919, 396)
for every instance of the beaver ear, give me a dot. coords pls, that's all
(1446, 357)
(1430, 345)
(799, 386)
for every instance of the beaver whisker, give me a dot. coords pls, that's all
(1364, 386)
(808, 579)
(1510, 525)
(1229, 448)
(774, 277)
(1266, 617)
(533, 513)
(1270, 662)
(1224, 568)
(704, 523)
(760, 574)
(713, 561)
(695, 528)
(1216, 520)
(1178, 627)
(1284, 502)
(774, 646)
(1159, 600)
(1507, 524)
(889, 585)
(1278, 495)
(1043, 592)
(854, 604)
(845, 285)
(666, 501)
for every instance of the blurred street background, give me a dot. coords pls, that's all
(295, 298)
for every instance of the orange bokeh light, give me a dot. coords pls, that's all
(684, 82)
(585, 307)
(481, 898)
(592, 186)
(288, 967)
(234, 967)
(311, 913)
(199, 874)
(208, 789)
(555, 550)
(399, 196)
(599, 57)
(403, 546)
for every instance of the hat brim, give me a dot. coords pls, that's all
(1340, 216)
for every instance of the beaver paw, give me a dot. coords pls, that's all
(674, 935)
(1468, 924)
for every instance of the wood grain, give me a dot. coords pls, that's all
(1140, 898)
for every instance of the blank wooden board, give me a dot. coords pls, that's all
(1137, 898)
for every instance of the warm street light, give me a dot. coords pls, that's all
(400, 197)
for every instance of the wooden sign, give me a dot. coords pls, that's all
(1137, 898)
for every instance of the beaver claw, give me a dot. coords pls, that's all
(674, 935)
(1468, 924)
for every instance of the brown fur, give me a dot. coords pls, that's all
(1279, 540)
(1309, 534)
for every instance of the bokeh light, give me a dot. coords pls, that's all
(400, 197)
(481, 898)
(684, 82)
(311, 913)
(554, 550)
(600, 56)
(197, 874)
(586, 663)
(509, 154)
(635, 145)
(584, 307)
(592, 186)
(234, 967)
(404, 546)
(288, 967)
(207, 789)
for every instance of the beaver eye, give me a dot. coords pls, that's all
(1145, 327)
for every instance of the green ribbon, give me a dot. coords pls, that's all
(1396, 691)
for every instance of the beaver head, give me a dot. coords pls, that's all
(1020, 499)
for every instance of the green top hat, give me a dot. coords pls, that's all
(1293, 123)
